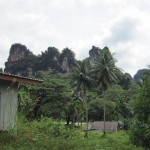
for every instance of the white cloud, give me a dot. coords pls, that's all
(123, 26)
(131, 55)
(4, 46)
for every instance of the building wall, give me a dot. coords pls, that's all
(8, 104)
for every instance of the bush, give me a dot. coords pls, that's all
(47, 134)
(140, 133)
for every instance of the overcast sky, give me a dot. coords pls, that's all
(121, 25)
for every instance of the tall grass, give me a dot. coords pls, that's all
(48, 134)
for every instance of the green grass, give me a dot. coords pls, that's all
(47, 134)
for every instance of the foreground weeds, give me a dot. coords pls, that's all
(47, 134)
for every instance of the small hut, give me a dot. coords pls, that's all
(9, 98)
(110, 126)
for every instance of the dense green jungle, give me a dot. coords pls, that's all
(52, 116)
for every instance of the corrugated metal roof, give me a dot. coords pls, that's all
(16, 78)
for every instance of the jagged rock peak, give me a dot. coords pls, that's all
(17, 52)
(65, 65)
(138, 76)
(67, 59)
(126, 80)
(127, 75)
(94, 53)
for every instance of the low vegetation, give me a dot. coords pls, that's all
(47, 134)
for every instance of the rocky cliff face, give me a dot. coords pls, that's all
(17, 52)
(23, 62)
(138, 76)
(126, 81)
(65, 65)
(94, 53)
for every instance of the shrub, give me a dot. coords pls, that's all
(140, 133)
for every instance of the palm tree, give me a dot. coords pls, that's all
(82, 82)
(106, 72)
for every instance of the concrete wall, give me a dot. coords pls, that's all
(8, 104)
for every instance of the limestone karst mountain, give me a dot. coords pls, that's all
(22, 61)
(138, 76)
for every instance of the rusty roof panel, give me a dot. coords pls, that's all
(19, 79)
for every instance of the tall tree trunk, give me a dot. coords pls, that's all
(73, 120)
(104, 114)
(81, 120)
(104, 119)
(67, 119)
(78, 119)
(86, 107)
(86, 110)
